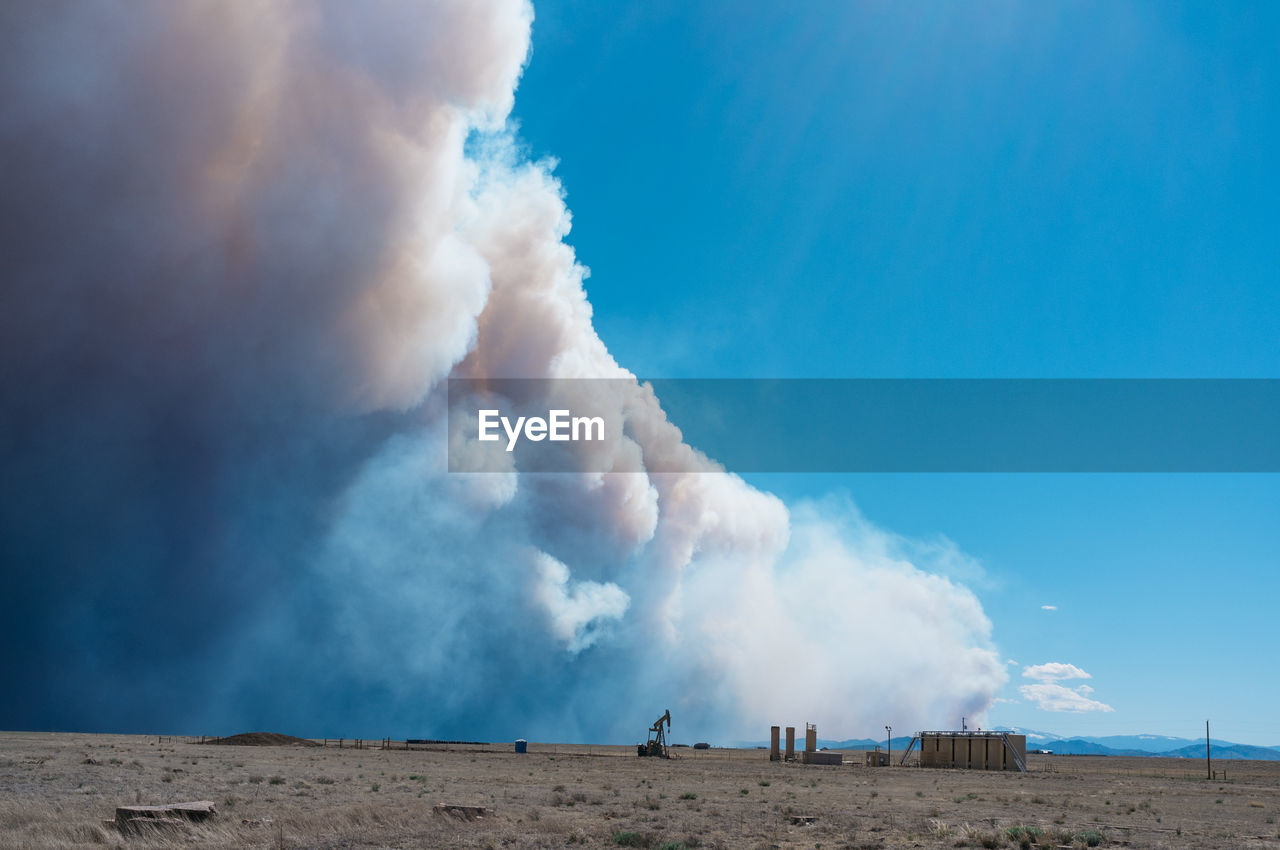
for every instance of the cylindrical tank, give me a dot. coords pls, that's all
(774, 755)
(522, 745)
(791, 743)
(810, 738)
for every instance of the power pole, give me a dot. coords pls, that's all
(889, 740)
(1208, 764)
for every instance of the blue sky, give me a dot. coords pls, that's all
(982, 190)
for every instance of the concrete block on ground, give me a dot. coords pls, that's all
(170, 814)
(822, 758)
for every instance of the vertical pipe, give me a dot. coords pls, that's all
(1208, 764)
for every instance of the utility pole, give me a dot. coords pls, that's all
(962, 726)
(889, 740)
(1208, 763)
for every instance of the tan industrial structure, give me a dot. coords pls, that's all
(876, 758)
(972, 750)
(810, 755)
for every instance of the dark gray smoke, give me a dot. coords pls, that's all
(243, 246)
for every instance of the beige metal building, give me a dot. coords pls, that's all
(875, 758)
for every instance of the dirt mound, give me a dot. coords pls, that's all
(263, 739)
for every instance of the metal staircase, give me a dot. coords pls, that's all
(1012, 751)
(907, 751)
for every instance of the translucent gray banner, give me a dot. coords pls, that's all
(866, 425)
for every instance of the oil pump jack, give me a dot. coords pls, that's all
(657, 745)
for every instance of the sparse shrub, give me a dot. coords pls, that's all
(1091, 837)
(324, 780)
(1025, 836)
(375, 787)
(629, 839)
(688, 795)
(672, 845)
(763, 783)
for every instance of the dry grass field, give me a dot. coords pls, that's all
(56, 791)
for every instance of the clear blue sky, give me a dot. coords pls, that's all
(963, 190)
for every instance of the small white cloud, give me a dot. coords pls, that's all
(1003, 701)
(576, 609)
(1048, 607)
(1010, 662)
(1054, 671)
(1051, 697)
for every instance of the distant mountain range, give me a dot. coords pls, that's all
(1108, 745)
(1143, 745)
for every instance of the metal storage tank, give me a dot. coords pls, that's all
(1019, 743)
(995, 754)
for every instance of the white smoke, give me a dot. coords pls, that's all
(333, 212)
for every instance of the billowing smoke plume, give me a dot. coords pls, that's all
(244, 245)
